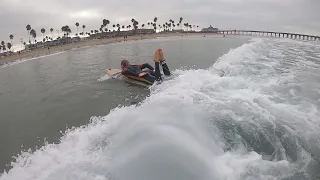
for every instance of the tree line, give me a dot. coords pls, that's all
(104, 27)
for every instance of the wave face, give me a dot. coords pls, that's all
(259, 121)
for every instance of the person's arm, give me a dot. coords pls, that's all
(146, 65)
(129, 73)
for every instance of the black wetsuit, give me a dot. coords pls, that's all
(133, 71)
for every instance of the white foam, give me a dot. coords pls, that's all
(28, 59)
(104, 78)
(172, 134)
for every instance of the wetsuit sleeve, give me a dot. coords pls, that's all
(129, 73)
(146, 65)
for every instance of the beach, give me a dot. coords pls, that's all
(83, 43)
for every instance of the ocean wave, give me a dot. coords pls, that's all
(198, 125)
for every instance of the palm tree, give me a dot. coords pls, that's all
(113, 26)
(135, 25)
(197, 27)
(92, 31)
(83, 27)
(3, 46)
(123, 27)
(155, 23)
(43, 31)
(9, 45)
(51, 30)
(142, 25)
(105, 22)
(66, 29)
(106, 29)
(180, 22)
(118, 26)
(28, 27)
(186, 25)
(34, 34)
(101, 28)
(11, 37)
(148, 23)
(77, 24)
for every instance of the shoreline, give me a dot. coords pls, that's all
(38, 53)
(42, 52)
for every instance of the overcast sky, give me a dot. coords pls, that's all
(301, 16)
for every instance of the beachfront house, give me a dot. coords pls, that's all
(210, 29)
(75, 39)
(30, 46)
(145, 31)
(3, 54)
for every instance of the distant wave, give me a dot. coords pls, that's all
(15, 62)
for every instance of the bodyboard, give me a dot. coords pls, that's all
(116, 73)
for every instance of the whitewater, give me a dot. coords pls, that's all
(258, 121)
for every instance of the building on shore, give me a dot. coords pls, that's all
(121, 33)
(210, 29)
(66, 40)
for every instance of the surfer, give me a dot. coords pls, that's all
(146, 71)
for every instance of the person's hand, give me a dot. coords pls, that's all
(142, 74)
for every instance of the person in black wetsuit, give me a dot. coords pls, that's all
(146, 71)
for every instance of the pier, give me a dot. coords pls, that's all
(271, 34)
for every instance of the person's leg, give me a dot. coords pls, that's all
(152, 73)
(157, 71)
(149, 78)
(165, 67)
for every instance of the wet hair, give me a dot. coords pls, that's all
(124, 63)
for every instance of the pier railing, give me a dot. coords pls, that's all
(271, 34)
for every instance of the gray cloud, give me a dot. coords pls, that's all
(285, 15)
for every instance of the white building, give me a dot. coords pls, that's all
(210, 29)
